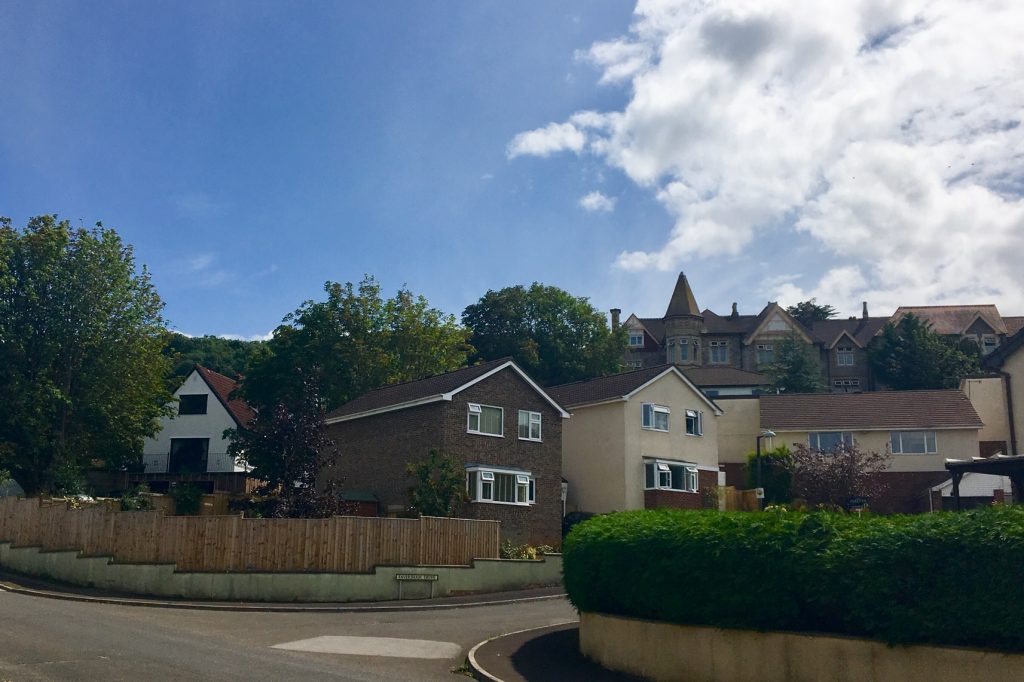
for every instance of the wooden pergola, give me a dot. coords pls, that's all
(996, 465)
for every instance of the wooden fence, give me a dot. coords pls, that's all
(740, 500)
(343, 544)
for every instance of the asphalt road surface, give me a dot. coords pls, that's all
(47, 639)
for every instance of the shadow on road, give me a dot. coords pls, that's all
(556, 656)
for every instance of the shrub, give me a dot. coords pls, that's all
(188, 498)
(510, 551)
(136, 499)
(775, 470)
(942, 578)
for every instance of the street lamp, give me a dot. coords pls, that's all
(760, 473)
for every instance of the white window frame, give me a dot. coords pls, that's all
(651, 410)
(698, 422)
(765, 348)
(930, 439)
(635, 364)
(477, 409)
(721, 347)
(989, 342)
(844, 356)
(533, 419)
(633, 336)
(524, 485)
(814, 439)
(665, 471)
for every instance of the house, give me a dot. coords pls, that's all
(1006, 364)
(190, 445)
(503, 429)
(920, 429)
(638, 440)
(981, 324)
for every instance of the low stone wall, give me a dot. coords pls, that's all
(665, 651)
(162, 580)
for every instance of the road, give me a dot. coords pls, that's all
(47, 639)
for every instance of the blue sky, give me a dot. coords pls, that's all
(251, 151)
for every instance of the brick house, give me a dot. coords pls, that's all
(639, 440)
(503, 428)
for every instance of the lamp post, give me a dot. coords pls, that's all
(760, 473)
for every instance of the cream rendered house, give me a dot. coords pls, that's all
(641, 439)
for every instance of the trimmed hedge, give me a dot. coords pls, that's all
(943, 578)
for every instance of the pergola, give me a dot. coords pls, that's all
(996, 465)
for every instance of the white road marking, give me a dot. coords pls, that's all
(374, 646)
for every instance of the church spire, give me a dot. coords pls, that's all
(683, 301)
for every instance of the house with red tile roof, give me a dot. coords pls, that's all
(190, 445)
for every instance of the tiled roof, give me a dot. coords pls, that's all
(863, 411)
(603, 388)
(655, 326)
(398, 394)
(222, 387)
(996, 358)
(725, 376)
(954, 319)
(718, 324)
(682, 301)
(1013, 324)
(861, 329)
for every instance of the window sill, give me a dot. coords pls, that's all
(695, 434)
(531, 440)
(651, 428)
(481, 433)
(912, 454)
(507, 504)
(671, 490)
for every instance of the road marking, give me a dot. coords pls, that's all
(374, 646)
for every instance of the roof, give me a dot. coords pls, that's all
(682, 301)
(996, 465)
(617, 387)
(223, 387)
(861, 329)
(996, 358)
(11, 488)
(974, 485)
(427, 390)
(655, 327)
(1013, 324)
(881, 410)
(725, 376)
(739, 324)
(954, 319)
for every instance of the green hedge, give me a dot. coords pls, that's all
(941, 578)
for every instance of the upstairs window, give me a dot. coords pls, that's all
(636, 339)
(829, 441)
(844, 356)
(664, 475)
(500, 486)
(683, 353)
(634, 364)
(694, 423)
(765, 353)
(719, 352)
(485, 420)
(989, 343)
(529, 425)
(912, 442)
(655, 417)
(192, 404)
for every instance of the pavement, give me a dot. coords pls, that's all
(548, 653)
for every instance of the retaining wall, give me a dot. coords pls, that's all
(163, 580)
(666, 651)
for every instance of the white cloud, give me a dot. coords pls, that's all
(555, 137)
(241, 337)
(595, 201)
(888, 132)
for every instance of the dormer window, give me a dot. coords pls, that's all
(636, 339)
(844, 356)
(989, 343)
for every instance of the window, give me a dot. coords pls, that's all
(192, 404)
(655, 417)
(500, 486)
(719, 353)
(529, 425)
(844, 356)
(989, 344)
(636, 339)
(635, 364)
(684, 350)
(694, 423)
(765, 353)
(846, 383)
(188, 455)
(913, 442)
(777, 324)
(485, 420)
(663, 475)
(829, 441)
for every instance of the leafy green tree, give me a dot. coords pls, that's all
(555, 336)
(909, 355)
(440, 487)
(353, 342)
(808, 312)
(230, 357)
(81, 369)
(775, 472)
(796, 369)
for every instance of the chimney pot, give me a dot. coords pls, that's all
(864, 312)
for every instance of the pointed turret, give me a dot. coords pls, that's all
(683, 301)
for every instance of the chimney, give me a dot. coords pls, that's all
(615, 318)
(864, 313)
(735, 312)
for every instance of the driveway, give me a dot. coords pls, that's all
(46, 639)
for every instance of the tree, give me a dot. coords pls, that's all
(837, 476)
(776, 476)
(795, 369)
(909, 355)
(230, 357)
(81, 369)
(808, 312)
(353, 342)
(440, 488)
(555, 336)
(288, 449)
